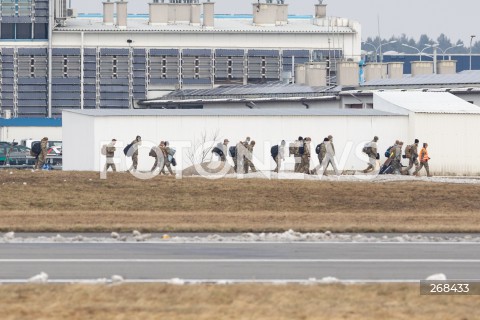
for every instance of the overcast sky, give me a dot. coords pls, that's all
(457, 19)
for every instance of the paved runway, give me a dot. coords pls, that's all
(144, 262)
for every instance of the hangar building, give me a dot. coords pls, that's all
(445, 121)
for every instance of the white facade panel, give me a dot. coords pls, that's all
(37, 133)
(452, 140)
(348, 42)
(350, 134)
(78, 153)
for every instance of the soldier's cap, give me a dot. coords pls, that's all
(45, 138)
(226, 140)
(330, 137)
(375, 138)
(139, 138)
(325, 140)
(114, 139)
(417, 141)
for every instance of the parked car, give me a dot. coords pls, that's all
(15, 155)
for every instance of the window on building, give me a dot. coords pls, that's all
(40, 31)
(23, 31)
(8, 31)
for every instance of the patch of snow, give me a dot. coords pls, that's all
(437, 277)
(9, 236)
(117, 279)
(39, 278)
(136, 233)
(329, 280)
(114, 235)
(177, 281)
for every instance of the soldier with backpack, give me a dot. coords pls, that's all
(330, 156)
(40, 151)
(370, 150)
(411, 153)
(297, 153)
(248, 158)
(169, 159)
(305, 164)
(221, 150)
(131, 150)
(109, 152)
(278, 155)
(157, 153)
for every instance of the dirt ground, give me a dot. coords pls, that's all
(66, 201)
(158, 301)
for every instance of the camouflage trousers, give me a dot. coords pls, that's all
(305, 165)
(169, 167)
(278, 162)
(423, 164)
(110, 163)
(135, 161)
(40, 161)
(412, 162)
(248, 164)
(298, 163)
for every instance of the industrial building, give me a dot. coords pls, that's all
(54, 60)
(446, 122)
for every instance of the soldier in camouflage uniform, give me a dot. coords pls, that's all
(166, 163)
(280, 156)
(110, 153)
(372, 149)
(413, 157)
(305, 162)
(135, 145)
(298, 157)
(158, 153)
(42, 157)
(248, 158)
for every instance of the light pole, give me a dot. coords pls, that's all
(444, 52)
(434, 47)
(379, 48)
(411, 47)
(471, 41)
(375, 48)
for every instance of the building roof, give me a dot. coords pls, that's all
(239, 25)
(30, 122)
(423, 102)
(275, 89)
(461, 79)
(228, 112)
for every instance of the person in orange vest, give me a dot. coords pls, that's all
(424, 158)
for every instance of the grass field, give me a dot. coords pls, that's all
(66, 201)
(276, 302)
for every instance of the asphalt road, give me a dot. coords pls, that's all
(146, 262)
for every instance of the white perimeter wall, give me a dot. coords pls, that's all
(19, 133)
(452, 140)
(349, 42)
(84, 136)
(78, 152)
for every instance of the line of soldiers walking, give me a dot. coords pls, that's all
(394, 155)
(163, 154)
(241, 153)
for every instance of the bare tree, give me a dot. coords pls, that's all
(202, 147)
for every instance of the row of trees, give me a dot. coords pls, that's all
(443, 43)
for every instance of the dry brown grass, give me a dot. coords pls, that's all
(152, 301)
(66, 201)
